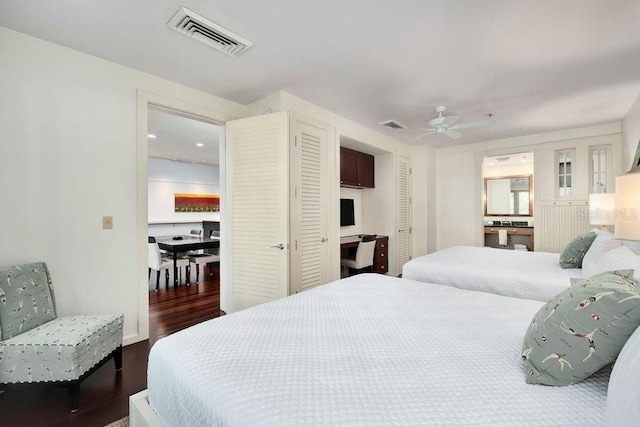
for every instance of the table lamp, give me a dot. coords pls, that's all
(627, 218)
(602, 210)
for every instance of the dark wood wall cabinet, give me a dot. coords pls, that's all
(381, 255)
(356, 169)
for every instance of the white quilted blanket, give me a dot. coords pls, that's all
(518, 274)
(370, 350)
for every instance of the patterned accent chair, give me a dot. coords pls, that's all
(39, 348)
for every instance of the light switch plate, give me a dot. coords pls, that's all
(107, 222)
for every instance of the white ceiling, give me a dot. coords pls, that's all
(537, 65)
(176, 138)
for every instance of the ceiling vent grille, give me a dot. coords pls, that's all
(200, 28)
(392, 124)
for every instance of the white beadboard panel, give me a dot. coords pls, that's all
(309, 159)
(257, 150)
(559, 222)
(403, 206)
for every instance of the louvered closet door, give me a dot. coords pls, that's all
(309, 170)
(403, 212)
(258, 209)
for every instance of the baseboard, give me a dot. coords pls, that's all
(132, 339)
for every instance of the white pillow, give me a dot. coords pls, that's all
(604, 243)
(624, 394)
(617, 259)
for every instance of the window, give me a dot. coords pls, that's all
(599, 168)
(564, 172)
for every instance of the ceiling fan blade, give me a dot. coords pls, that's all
(421, 135)
(472, 124)
(452, 134)
(444, 120)
(449, 120)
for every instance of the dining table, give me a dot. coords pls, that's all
(183, 243)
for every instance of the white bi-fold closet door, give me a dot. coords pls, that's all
(403, 211)
(276, 187)
(310, 176)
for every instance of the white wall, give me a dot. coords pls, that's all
(630, 135)
(378, 204)
(68, 157)
(508, 170)
(167, 177)
(459, 177)
(424, 203)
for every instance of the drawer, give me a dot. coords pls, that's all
(520, 231)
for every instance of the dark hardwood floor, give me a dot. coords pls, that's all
(104, 396)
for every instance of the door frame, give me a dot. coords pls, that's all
(144, 100)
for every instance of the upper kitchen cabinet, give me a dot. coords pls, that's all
(356, 169)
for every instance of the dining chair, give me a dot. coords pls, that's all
(364, 255)
(205, 258)
(158, 263)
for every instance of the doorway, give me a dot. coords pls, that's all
(164, 118)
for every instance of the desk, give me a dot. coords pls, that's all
(348, 244)
(187, 243)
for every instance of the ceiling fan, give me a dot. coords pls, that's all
(446, 125)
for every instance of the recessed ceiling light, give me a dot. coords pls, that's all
(200, 144)
(151, 136)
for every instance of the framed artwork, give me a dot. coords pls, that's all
(186, 202)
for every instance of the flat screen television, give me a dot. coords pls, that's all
(347, 216)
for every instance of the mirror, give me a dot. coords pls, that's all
(508, 196)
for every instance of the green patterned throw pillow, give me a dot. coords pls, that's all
(573, 253)
(582, 329)
(26, 298)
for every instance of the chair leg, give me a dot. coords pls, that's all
(117, 359)
(197, 272)
(158, 281)
(74, 396)
(149, 273)
(166, 278)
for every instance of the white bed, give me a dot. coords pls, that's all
(369, 350)
(518, 274)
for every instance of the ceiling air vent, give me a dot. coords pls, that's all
(200, 28)
(392, 124)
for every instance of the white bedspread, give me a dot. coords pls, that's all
(370, 350)
(518, 274)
